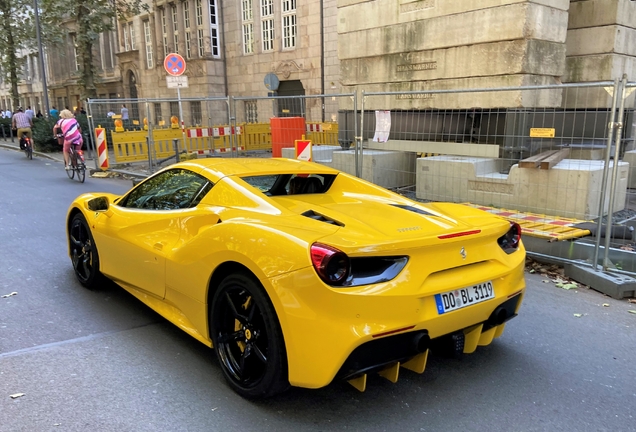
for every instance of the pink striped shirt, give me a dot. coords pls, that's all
(70, 129)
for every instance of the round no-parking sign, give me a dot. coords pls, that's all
(174, 64)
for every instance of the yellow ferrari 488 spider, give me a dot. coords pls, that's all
(298, 274)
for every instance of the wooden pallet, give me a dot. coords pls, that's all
(545, 160)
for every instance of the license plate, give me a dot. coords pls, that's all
(460, 298)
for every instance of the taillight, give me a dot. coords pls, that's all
(510, 241)
(332, 265)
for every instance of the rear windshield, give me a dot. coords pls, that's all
(291, 184)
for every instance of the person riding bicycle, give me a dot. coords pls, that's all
(70, 128)
(23, 123)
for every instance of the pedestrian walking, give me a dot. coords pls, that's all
(29, 112)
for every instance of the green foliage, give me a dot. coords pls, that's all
(43, 135)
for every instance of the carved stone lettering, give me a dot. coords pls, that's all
(413, 6)
(482, 186)
(416, 96)
(417, 67)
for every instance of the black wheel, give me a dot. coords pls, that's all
(81, 172)
(247, 338)
(30, 152)
(84, 253)
(70, 172)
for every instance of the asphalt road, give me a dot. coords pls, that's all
(102, 361)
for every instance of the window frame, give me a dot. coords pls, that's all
(247, 26)
(268, 35)
(289, 24)
(149, 48)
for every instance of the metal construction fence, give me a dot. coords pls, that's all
(555, 158)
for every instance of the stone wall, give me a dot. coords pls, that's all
(423, 45)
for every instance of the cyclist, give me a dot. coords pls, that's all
(72, 132)
(23, 123)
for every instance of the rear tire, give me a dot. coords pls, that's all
(84, 254)
(81, 172)
(247, 338)
(70, 172)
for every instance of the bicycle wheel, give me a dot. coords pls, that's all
(70, 172)
(81, 172)
(29, 151)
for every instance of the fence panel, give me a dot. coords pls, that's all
(270, 125)
(535, 154)
(172, 122)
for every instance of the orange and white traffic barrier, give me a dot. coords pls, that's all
(102, 148)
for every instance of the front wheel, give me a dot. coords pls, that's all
(84, 254)
(247, 338)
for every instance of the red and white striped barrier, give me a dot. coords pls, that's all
(102, 149)
(214, 132)
(314, 127)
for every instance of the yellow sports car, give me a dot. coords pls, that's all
(299, 274)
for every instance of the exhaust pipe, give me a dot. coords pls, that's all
(499, 316)
(421, 342)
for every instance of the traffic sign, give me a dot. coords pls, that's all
(177, 81)
(174, 64)
(303, 149)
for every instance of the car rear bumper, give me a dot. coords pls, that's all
(344, 333)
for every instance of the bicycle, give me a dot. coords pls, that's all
(27, 145)
(76, 162)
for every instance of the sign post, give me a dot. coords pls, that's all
(175, 66)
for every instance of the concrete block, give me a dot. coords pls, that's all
(601, 40)
(497, 58)
(630, 158)
(319, 153)
(355, 15)
(457, 100)
(570, 189)
(389, 169)
(599, 67)
(517, 21)
(614, 285)
(596, 13)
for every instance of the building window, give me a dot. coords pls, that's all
(195, 112)
(267, 24)
(158, 116)
(75, 53)
(199, 17)
(248, 26)
(214, 31)
(289, 24)
(188, 35)
(148, 39)
(126, 42)
(175, 28)
(251, 111)
(132, 36)
(174, 109)
(164, 31)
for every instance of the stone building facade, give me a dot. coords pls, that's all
(327, 46)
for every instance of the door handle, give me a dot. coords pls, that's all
(158, 246)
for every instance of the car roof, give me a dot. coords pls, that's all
(217, 168)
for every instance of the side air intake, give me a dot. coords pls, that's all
(322, 218)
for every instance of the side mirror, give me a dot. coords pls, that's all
(98, 204)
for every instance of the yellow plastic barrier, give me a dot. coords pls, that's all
(322, 133)
(131, 146)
